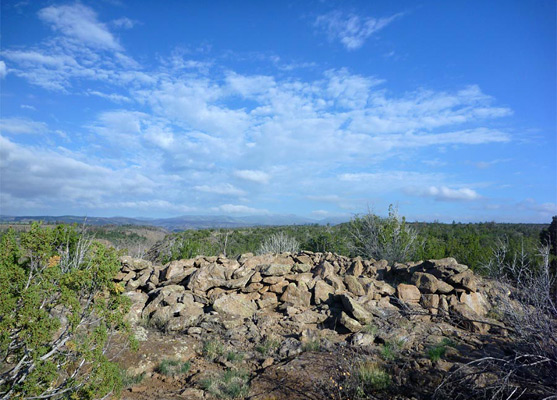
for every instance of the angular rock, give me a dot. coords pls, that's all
(349, 323)
(464, 280)
(296, 296)
(431, 302)
(135, 264)
(300, 268)
(217, 275)
(356, 310)
(476, 302)
(425, 282)
(138, 300)
(354, 286)
(468, 319)
(176, 271)
(408, 293)
(363, 339)
(267, 300)
(278, 288)
(324, 270)
(383, 288)
(322, 293)
(357, 268)
(234, 305)
(309, 317)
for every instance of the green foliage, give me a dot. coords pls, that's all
(311, 345)
(435, 353)
(59, 307)
(231, 384)
(173, 367)
(389, 238)
(234, 357)
(371, 329)
(212, 349)
(390, 350)
(131, 380)
(267, 347)
(372, 377)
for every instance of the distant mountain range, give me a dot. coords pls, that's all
(179, 223)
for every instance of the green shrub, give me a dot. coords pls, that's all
(267, 347)
(212, 349)
(232, 356)
(231, 384)
(390, 350)
(370, 375)
(311, 345)
(173, 367)
(59, 308)
(391, 238)
(435, 353)
(131, 380)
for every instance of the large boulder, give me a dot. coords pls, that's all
(467, 318)
(218, 275)
(275, 269)
(296, 295)
(322, 292)
(356, 310)
(234, 305)
(408, 293)
(350, 323)
(138, 300)
(176, 271)
(476, 302)
(354, 286)
(135, 264)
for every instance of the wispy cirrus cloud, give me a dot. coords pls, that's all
(350, 29)
(79, 23)
(239, 209)
(252, 176)
(22, 126)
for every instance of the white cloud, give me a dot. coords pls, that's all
(28, 107)
(79, 23)
(123, 22)
(444, 193)
(3, 70)
(239, 209)
(22, 126)
(56, 178)
(252, 176)
(117, 98)
(224, 189)
(350, 29)
(546, 209)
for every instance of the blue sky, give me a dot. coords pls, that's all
(315, 108)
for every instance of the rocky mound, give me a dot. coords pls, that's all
(288, 294)
(320, 325)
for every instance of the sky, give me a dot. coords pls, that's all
(322, 109)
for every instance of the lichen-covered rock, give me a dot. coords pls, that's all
(218, 275)
(234, 305)
(296, 295)
(135, 264)
(354, 286)
(275, 269)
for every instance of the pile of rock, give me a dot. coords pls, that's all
(293, 294)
